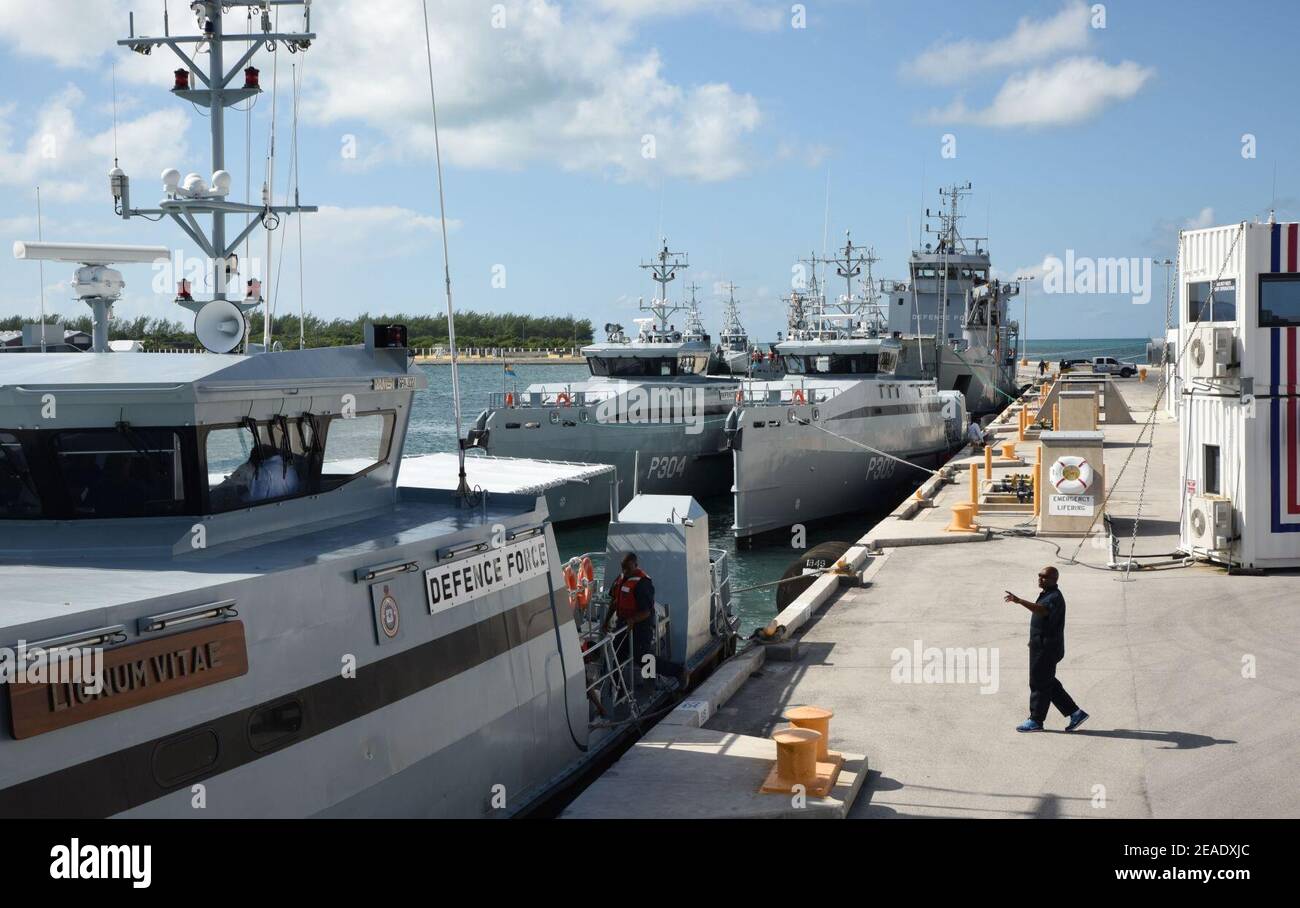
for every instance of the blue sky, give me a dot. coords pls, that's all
(1104, 141)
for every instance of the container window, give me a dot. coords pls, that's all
(1211, 461)
(1279, 300)
(1224, 308)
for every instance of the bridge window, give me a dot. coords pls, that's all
(19, 497)
(121, 472)
(632, 366)
(355, 446)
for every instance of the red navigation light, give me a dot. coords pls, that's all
(254, 289)
(183, 290)
(182, 80)
(250, 79)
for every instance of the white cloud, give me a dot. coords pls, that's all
(1202, 219)
(1032, 40)
(565, 85)
(68, 162)
(1068, 91)
(555, 85)
(745, 13)
(357, 235)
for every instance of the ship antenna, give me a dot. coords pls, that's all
(268, 196)
(462, 488)
(40, 237)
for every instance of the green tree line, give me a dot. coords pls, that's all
(473, 329)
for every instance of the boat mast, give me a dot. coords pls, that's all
(194, 195)
(848, 265)
(663, 269)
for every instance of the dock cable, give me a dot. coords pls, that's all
(808, 422)
(564, 672)
(758, 586)
(1173, 558)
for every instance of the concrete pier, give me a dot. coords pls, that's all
(1190, 675)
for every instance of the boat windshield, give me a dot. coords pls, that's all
(127, 471)
(834, 364)
(632, 366)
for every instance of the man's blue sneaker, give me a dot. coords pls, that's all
(1029, 725)
(1077, 718)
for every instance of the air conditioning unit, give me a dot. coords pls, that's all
(1209, 522)
(1212, 352)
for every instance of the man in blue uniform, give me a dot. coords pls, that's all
(1046, 649)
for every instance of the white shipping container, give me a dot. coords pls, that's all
(1239, 319)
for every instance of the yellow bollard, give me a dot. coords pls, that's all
(1038, 485)
(1056, 417)
(816, 719)
(1142, 374)
(974, 489)
(796, 759)
(988, 461)
(1008, 450)
(1024, 423)
(962, 519)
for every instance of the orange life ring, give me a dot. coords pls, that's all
(570, 576)
(563, 399)
(510, 399)
(798, 396)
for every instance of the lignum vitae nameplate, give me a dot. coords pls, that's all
(133, 675)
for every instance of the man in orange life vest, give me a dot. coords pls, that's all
(632, 598)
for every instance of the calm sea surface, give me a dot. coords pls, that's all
(433, 429)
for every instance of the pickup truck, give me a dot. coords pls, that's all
(1101, 364)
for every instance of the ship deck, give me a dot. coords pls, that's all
(39, 587)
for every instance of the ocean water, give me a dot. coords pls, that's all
(760, 562)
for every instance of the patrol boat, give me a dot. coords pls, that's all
(220, 601)
(841, 432)
(650, 407)
(952, 315)
(735, 353)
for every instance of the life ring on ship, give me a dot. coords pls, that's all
(798, 396)
(580, 578)
(740, 396)
(1071, 475)
(510, 399)
(563, 399)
